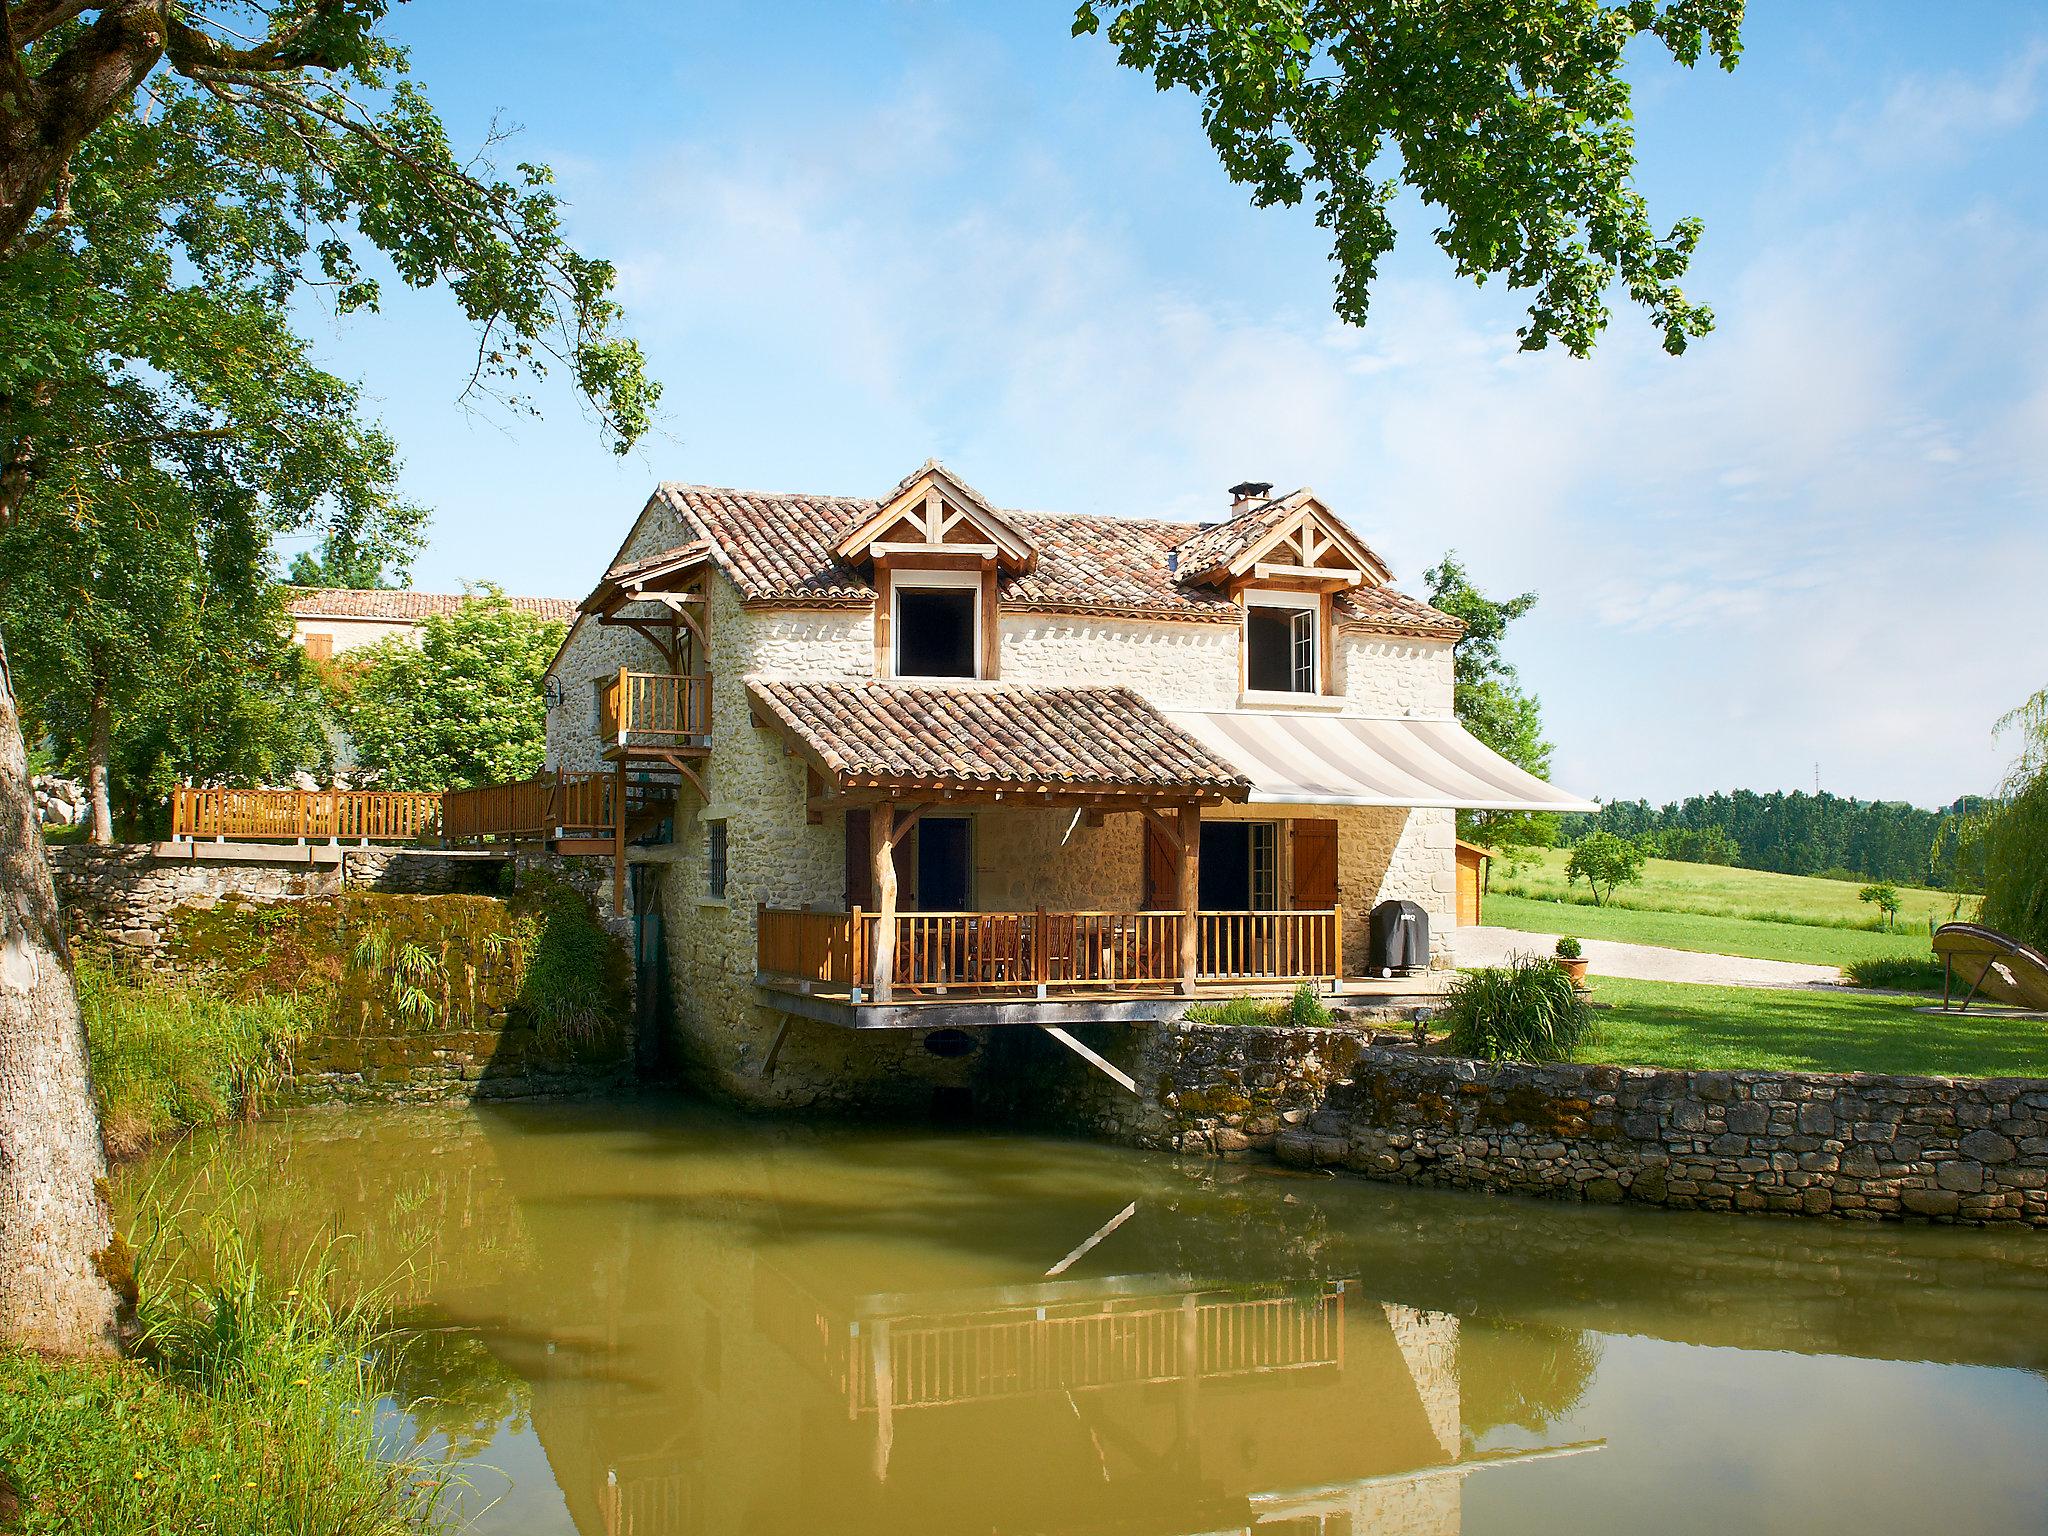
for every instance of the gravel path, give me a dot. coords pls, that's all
(1641, 962)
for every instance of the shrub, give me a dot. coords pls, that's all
(1604, 862)
(1305, 1009)
(1568, 948)
(1899, 973)
(1524, 1011)
(169, 1055)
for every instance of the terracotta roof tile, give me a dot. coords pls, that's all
(405, 607)
(1386, 611)
(1222, 542)
(778, 548)
(993, 735)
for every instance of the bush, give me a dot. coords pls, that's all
(1303, 1010)
(171, 1055)
(1698, 845)
(1898, 973)
(1525, 1011)
(1568, 948)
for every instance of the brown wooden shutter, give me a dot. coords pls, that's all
(1315, 864)
(1162, 882)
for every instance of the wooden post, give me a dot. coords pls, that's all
(882, 847)
(1190, 872)
(619, 839)
(619, 710)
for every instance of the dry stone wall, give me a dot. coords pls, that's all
(1859, 1146)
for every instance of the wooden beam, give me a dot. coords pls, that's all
(991, 628)
(882, 849)
(814, 788)
(935, 556)
(619, 841)
(1100, 1063)
(883, 664)
(1189, 868)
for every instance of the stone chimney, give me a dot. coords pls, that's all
(1249, 493)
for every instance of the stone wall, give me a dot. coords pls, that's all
(1859, 1146)
(123, 895)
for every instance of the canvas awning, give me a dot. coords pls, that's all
(1308, 759)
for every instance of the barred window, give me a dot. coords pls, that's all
(714, 858)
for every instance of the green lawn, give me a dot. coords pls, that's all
(1664, 1024)
(1813, 944)
(1669, 886)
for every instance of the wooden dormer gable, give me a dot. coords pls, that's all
(934, 520)
(1295, 541)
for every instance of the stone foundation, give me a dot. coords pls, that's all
(1859, 1146)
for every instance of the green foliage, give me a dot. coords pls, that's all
(460, 708)
(1805, 834)
(1301, 1009)
(1568, 948)
(574, 976)
(1885, 897)
(1779, 936)
(171, 1054)
(249, 1412)
(1605, 862)
(1524, 1011)
(343, 563)
(1698, 845)
(1512, 122)
(2015, 835)
(1490, 703)
(1898, 973)
(1840, 1029)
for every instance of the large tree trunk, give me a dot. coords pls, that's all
(99, 752)
(60, 1262)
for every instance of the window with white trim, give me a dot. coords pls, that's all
(1282, 642)
(935, 623)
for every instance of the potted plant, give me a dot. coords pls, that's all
(1573, 961)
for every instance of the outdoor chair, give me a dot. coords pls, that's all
(1995, 966)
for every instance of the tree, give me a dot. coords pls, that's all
(1510, 116)
(1697, 845)
(264, 146)
(1487, 695)
(460, 708)
(1605, 862)
(2014, 834)
(342, 563)
(1885, 897)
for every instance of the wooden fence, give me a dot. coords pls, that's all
(654, 704)
(1023, 951)
(569, 805)
(307, 815)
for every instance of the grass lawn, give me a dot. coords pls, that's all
(1718, 889)
(1811, 943)
(1665, 1024)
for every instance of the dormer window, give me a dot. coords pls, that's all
(936, 623)
(1282, 642)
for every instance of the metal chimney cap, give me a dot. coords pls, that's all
(1250, 488)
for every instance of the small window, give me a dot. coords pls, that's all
(1280, 649)
(714, 859)
(935, 631)
(1265, 867)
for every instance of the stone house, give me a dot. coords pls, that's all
(922, 761)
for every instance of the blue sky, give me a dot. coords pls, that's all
(851, 236)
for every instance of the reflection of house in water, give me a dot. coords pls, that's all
(1124, 1404)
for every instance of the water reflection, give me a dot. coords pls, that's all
(667, 1320)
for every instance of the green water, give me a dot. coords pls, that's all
(664, 1318)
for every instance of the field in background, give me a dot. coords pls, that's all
(1724, 891)
(1811, 944)
(1664, 1024)
(1716, 909)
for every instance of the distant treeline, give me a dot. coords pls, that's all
(1798, 834)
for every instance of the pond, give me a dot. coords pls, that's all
(665, 1318)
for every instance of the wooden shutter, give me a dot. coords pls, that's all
(320, 647)
(1162, 873)
(1315, 864)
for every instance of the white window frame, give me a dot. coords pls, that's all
(925, 581)
(1305, 642)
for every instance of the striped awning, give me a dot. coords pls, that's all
(1306, 759)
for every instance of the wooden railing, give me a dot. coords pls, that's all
(654, 704)
(1023, 951)
(572, 804)
(325, 815)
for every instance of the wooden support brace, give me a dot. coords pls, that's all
(1100, 1063)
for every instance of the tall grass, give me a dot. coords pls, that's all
(1527, 1010)
(171, 1054)
(1301, 1009)
(247, 1410)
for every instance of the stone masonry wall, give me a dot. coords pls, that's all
(1859, 1146)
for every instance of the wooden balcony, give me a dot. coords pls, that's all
(654, 714)
(303, 815)
(959, 956)
(567, 809)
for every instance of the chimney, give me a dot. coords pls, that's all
(1249, 493)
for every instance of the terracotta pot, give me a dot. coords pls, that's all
(1576, 969)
